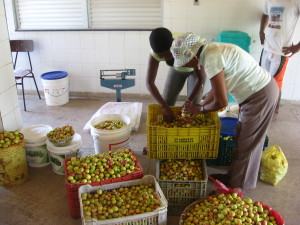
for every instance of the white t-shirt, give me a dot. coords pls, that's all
(243, 74)
(283, 17)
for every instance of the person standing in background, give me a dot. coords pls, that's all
(277, 28)
(160, 41)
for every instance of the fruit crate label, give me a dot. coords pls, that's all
(183, 140)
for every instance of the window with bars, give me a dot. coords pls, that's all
(87, 14)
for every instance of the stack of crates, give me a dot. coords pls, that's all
(72, 188)
(182, 143)
(227, 144)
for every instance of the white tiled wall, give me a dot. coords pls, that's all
(84, 54)
(9, 106)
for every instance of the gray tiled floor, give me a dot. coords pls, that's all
(42, 199)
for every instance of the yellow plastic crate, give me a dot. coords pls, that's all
(181, 143)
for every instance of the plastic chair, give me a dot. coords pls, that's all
(25, 46)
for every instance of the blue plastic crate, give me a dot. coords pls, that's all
(228, 125)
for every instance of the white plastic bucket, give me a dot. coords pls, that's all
(57, 155)
(223, 113)
(56, 87)
(234, 110)
(105, 140)
(35, 145)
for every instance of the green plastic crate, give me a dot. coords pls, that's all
(238, 38)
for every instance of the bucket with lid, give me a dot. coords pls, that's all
(105, 140)
(35, 145)
(13, 165)
(56, 87)
(57, 155)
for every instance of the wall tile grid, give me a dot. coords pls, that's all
(9, 108)
(83, 54)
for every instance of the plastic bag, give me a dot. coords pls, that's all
(221, 188)
(274, 165)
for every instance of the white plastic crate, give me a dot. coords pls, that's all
(183, 192)
(157, 217)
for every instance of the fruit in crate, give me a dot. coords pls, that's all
(181, 170)
(61, 136)
(120, 202)
(10, 138)
(110, 125)
(227, 209)
(184, 122)
(225, 138)
(95, 168)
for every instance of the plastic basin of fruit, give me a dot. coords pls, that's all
(61, 142)
(278, 218)
(183, 192)
(72, 189)
(182, 143)
(157, 217)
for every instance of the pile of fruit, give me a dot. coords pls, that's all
(227, 209)
(183, 121)
(10, 138)
(226, 138)
(110, 125)
(61, 135)
(181, 170)
(95, 168)
(121, 202)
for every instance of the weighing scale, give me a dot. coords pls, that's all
(116, 80)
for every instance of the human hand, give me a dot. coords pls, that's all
(290, 50)
(191, 109)
(167, 114)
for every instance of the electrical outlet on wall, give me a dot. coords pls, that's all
(196, 2)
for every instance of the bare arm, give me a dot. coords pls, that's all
(150, 83)
(199, 84)
(216, 99)
(263, 23)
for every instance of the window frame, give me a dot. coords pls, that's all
(87, 18)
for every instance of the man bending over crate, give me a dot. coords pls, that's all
(231, 69)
